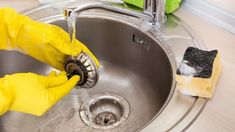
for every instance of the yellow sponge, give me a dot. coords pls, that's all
(198, 72)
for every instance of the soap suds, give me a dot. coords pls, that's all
(187, 70)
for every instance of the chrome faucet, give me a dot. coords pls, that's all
(154, 10)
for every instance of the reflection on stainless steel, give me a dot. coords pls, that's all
(138, 65)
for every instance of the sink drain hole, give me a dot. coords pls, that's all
(105, 119)
(107, 111)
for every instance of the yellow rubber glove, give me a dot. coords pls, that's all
(47, 43)
(33, 94)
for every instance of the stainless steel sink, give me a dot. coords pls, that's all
(137, 65)
(141, 75)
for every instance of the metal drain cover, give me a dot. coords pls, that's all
(105, 119)
(106, 111)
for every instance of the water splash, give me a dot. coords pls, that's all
(71, 21)
(85, 99)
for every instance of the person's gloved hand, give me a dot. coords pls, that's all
(44, 42)
(171, 5)
(33, 94)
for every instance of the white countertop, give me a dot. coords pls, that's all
(219, 113)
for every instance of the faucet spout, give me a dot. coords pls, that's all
(155, 8)
(70, 16)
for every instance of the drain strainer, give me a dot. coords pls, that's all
(105, 119)
(105, 111)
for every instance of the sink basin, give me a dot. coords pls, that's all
(142, 74)
(136, 86)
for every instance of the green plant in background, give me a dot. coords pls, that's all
(171, 5)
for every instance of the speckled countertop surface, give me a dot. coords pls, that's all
(219, 113)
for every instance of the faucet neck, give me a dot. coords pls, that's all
(156, 8)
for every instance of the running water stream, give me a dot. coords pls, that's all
(71, 21)
(85, 99)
